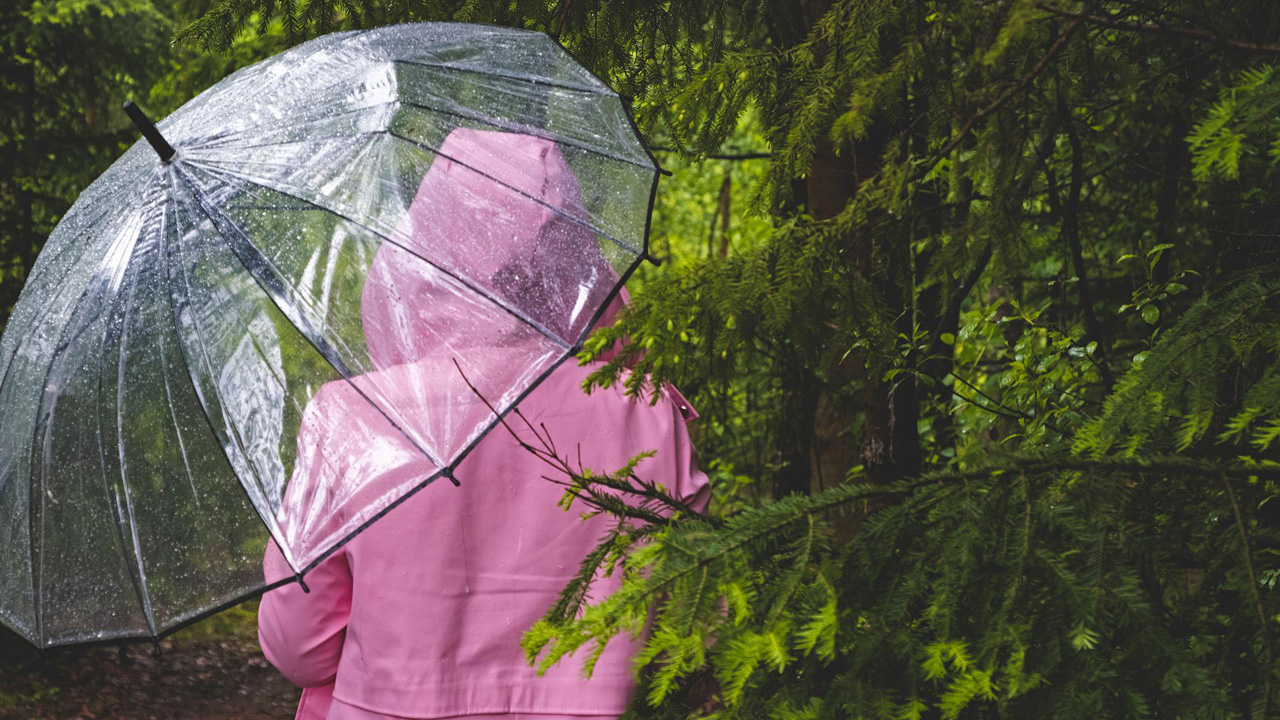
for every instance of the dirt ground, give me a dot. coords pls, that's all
(211, 670)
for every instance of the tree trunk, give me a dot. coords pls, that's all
(26, 233)
(890, 446)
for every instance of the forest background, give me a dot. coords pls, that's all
(979, 302)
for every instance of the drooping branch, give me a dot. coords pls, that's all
(774, 518)
(1199, 34)
(1004, 97)
(1253, 589)
(718, 156)
(581, 482)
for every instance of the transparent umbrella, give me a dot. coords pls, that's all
(380, 216)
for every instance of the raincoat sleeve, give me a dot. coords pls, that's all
(676, 463)
(302, 633)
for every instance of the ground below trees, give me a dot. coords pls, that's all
(212, 670)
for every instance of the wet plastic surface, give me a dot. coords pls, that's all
(364, 215)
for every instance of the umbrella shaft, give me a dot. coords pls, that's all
(149, 131)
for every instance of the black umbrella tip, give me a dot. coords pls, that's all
(149, 131)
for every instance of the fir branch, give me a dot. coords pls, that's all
(582, 483)
(717, 156)
(757, 523)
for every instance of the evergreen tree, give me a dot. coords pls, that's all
(57, 131)
(993, 404)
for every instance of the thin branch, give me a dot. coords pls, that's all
(1071, 229)
(579, 482)
(1166, 30)
(718, 156)
(1001, 99)
(1253, 591)
(1008, 411)
(1012, 413)
(993, 411)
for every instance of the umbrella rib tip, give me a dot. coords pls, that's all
(448, 473)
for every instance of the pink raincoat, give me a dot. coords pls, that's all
(420, 615)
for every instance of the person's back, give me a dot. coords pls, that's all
(494, 272)
(420, 615)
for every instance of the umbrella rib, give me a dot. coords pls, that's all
(269, 280)
(267, 128)
(606, 92)
(536, 132)
(44, 313)
(173, 415)
(49, 306)
(229, 142)
(37, 570)
(211, 163)
(273, 528)
(554, 210)
(138, 577)
(345, 137)
(386, 237)
(17, 346)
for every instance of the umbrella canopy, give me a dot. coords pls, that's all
(357, 219)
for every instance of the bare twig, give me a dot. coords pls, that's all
(1001, 99)
(1253, 591)
(1166, 30)
(582, 483)
(718, 156)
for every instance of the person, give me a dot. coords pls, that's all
(420, 614)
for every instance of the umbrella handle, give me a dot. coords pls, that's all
(149, 131)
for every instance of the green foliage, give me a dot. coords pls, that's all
(66, 67)
(1246, 107)
(1060, 581)
(1147, 413)
(988, 367)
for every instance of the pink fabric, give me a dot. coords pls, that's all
(496, 238)
(320, 700)
(342, 711)
(420, 615)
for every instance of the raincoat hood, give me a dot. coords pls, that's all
(495, 223)
(500, 214)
